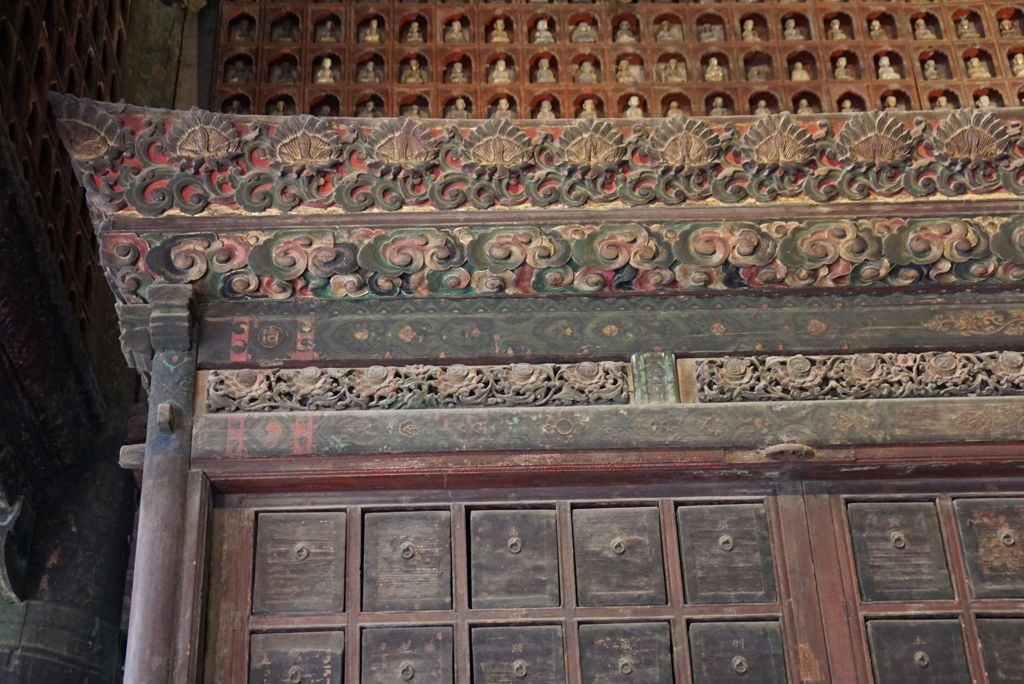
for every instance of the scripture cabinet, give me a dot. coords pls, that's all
(658, 585)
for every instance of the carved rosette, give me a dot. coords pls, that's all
(591, 145)
(400, 144)
(305, 144)
(683, 144)
(971, 137)
(93, 136)
(775, 142)
(875, 139)
(201, 139)
(496, 146)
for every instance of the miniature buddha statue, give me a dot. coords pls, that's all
(283, 73)
(846, 106)
(790, 31)
(280, 108)
(503, 110)
(625, 73)
(624, 33)
(886, 71)
(667, 32)
(757, 72)
(984, 102)
(325, 111)
(1017, 65)
(804, 107)
(240, 31)
(749, 33)
(583, 33)
(892, 104)
(541, 34)
(368, 110)
(284, 31)
(977, 69)
(586, 74)
(500, 73)
(371, 32)
(544, 111)
(327, 31)
(842, 71)
(931, 70)
(875, 30)
(412, 73)
(543, 73)
(966, 29)
(713, 73)
(634, 110)
(941, 103)
(499, 34)
(1008, 28)
(238, 71)
(799, 73)
(235, 106)
(456, 74)
(718, 107)
(922, 31)
(762, 108)
(709, 33)
(588, 110)
(835, 30)
(674, 111)
(367, 73)
(457, 110)
(413, 34)
(672, 71)
(412, 112)
(325, 72)
(454, 33)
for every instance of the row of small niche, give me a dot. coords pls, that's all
(629, 106)
(710, 28)
(628, 69)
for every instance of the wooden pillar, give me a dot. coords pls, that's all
(153, 623)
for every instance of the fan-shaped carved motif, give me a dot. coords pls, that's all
(683, 142)
(971, 135)
(875, 139)
(496, 144)
(592, 143)
(89, 132)
(202, 138)
(400, 144)
(777, 141)
(305, 142)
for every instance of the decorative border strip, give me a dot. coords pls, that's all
(860, 376)
(155, 161)
(570, 259)
(418, 387)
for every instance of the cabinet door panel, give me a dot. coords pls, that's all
(740, 652)
(899, 552)
(1002, 644)
(514, 558)
(306, 657)
(637, 652)
(918, 652)
(407, 654)
(991, 531)
(618, 556)
(407, 561)
(726, 554)
(300, 563)
(510, 655)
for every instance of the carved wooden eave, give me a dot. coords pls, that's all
(347, 243)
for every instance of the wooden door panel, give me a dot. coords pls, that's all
(619, 560)
(625, 653)
(407, 561)
(514, 556)
(992, 531)
(737, 652)
(297, 657)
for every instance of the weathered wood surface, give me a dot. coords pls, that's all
(619, 559)
(401, 331)
(407, 561)
(514, 559)
(623, 653)
(737, 652)
(665, 426)
(992, 533)
(510, 654)
(918, 652)
(1001, 640)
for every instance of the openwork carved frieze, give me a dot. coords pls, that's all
(418, 387)
(152, 162)
(570, 259)
(860, 376)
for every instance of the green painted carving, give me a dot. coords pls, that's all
(256, 164)
(570, 259)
